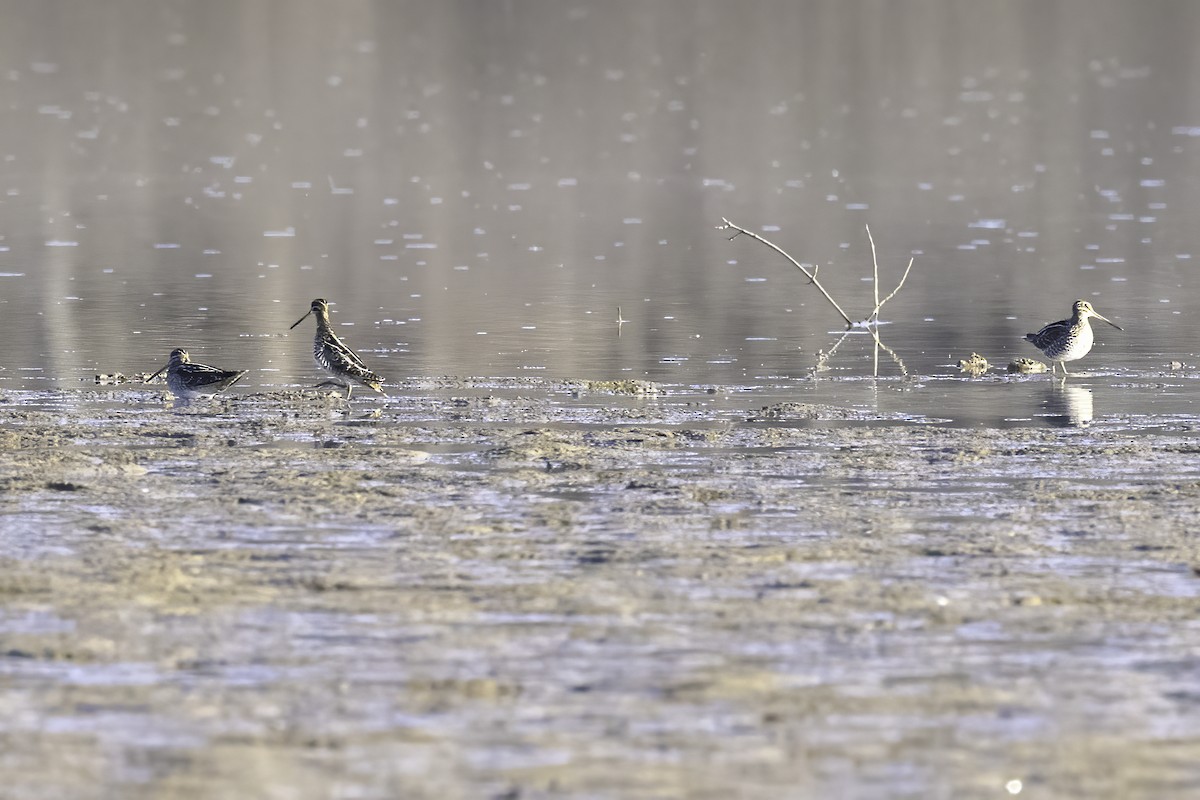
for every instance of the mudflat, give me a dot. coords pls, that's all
(588, 589)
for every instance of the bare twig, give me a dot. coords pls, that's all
(812, 277)
(874, 273)
(871, 323)
(903, 278)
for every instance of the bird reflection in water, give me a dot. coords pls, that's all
(1068, 406)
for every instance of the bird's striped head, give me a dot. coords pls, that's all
(318, 307)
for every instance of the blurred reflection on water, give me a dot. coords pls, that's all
(479, 185)
(1068, 406)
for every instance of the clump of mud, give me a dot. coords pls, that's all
(1026, 366)
(974, 365)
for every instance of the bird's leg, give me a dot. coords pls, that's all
(1064, 365)
(349, 389)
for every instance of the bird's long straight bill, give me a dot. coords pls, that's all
(1109, 321)
(297, 322)
(160, 372)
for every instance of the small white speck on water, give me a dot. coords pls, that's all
(167, 246)
(1013, 787)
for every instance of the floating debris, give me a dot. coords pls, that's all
(630, 386)
(116, 378)
(975, 365)
(803, 411)
(1176, 365)
(1026, 366)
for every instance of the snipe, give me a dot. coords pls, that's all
(331, 354)
(1069, 339)
(187, 379)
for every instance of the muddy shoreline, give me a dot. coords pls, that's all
(588, 591)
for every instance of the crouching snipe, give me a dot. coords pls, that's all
(187, 379)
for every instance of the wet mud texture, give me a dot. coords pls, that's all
(562, 592)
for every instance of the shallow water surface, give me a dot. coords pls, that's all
(479, 186)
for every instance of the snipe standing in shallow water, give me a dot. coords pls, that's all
(1068, 339)
(345, 368)
(187, 379)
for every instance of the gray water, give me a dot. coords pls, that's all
(478, 186)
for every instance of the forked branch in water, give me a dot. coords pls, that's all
(871, 323)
